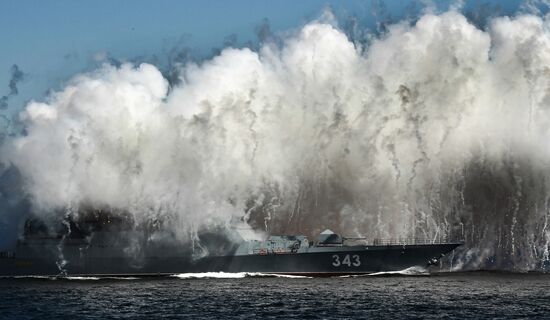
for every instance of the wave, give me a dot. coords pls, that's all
(80, 278)
(411, 271)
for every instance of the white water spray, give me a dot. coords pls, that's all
(434, 128)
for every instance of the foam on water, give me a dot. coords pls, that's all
(81, 278)
(28, 277)
(231, 275)
(77, 278)
(412, 271)
(98, 278)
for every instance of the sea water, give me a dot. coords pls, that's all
(260, 296)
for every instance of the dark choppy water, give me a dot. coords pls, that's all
(469, 295)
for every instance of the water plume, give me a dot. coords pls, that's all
(434, 129)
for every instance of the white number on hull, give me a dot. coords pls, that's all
(346, 261)
(356, 260)
(336, 260)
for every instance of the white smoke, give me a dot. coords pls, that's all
(316, 134)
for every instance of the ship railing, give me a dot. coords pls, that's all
(411, 241)
(400, 241)
(264, 251)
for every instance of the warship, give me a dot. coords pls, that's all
(99, 247)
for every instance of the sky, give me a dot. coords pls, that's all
(50, 41)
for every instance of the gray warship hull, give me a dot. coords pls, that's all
(41, 259)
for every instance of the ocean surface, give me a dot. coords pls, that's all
(254, 296)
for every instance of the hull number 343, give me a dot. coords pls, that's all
(346, 260)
